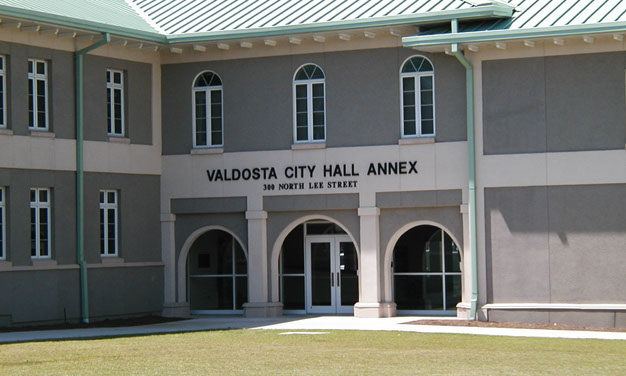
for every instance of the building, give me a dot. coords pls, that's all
(266, 157)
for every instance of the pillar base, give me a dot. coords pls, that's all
(176, 310)
(262, 309)
(463, 310)
(375, 310)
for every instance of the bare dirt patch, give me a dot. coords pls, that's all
(516, 325)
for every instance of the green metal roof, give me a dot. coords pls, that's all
(534, 19)
(170, 21)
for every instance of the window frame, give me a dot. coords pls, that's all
(37, 204)
(207, 103)
(33, 78)
(3, 224)
(418, 108)
(3, 87)
(309, 84)
(112, 87)
(104, 227)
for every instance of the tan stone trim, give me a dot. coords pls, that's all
(206, 151)
(309, 146)
(555, 306)
(416, 140)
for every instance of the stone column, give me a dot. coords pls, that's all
(171, 307)
(370, 277)
(258, 304)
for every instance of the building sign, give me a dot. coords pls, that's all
(325, 176)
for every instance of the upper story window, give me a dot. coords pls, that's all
(108, 223)
(3, 90)
(40, 222)
(37, 94)
(3, 225)
(115, 102)
(418, 106)
(309, 104)
(207, 111)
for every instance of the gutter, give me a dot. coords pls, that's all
(80, 221)
(471, 157)
(499, 35)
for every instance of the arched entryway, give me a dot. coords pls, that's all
(426, 272)
(217, 274)
(318, 269)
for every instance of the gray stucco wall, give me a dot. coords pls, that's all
(137, 99)
(362, 99)
(60, 88)
(555, 103)
(561, 244)
(37, 295)
(111, 294)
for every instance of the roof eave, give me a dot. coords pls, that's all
(69, 22)
(479, 12)
(500, 35)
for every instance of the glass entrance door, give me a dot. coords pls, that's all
(332, 274)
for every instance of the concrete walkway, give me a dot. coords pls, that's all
(295, 323)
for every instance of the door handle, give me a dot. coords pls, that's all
(338, 280)
(332, 279)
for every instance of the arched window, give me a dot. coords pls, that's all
(426, 271)
(309, 104)
(207, 111)
(217, 269)
(418, 99)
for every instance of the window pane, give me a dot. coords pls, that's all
(216, 124)
(216, 138)
(211, 293)
(102, 230)
(318, 104)
(33, 195)
(301, 91)
(409, 113)
(41, 67)
(293, 292)
(109, 114)
(30, 66)
(241, 264)
(318, 90)
(408, 84)
(301, 104)
(408, 98)
(426, 83)
(117, 77)
(31, 103)
(33, 231)
(418, 292)
(318, 118)
(292, 252)
(318, 132)
(301, 120)
(409, 128)
(427, 112)
(101, 197)
(453, 291)
(241, 291)
(43, 195)
(301, 133)
(426, 97)
(453, 255)
(111, 197)
(428, 127)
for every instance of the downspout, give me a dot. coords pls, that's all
(80, 225)
(471, 156)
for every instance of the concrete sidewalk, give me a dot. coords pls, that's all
(291, 323)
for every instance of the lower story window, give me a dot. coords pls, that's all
(108, 223)
(40, 222)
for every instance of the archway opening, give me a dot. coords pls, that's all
(217, 272)
(426, 272)
(318, 270)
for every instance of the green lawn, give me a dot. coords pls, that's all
(257, 352)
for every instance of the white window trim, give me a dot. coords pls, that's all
(207, 90)
(309, 95)
(106, 206)
(39, 77)
(3, 225)
(418, 108)
(3, 71)
(113, 86)
(38, 205)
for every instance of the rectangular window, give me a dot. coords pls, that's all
(40, 222)
(37, 94)
(115, 102)
(3, 100)
(3, 225)
(418, 115)
(108, 223)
